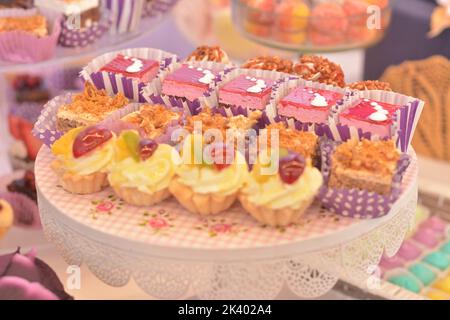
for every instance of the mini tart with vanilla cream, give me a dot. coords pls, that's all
(210, 176)
(88, 108)
(278, 195)
(142, 170)
(83, 158)
(6, 217)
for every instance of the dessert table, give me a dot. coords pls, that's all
(171, 254)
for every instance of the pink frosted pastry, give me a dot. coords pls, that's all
(370, 116)
(427, 237)
(309, 105)
(246, 91)
(188, 82)
(130, 67)
(391, 263)
(409, 251)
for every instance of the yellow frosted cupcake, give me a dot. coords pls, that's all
(279, 195)
(84, 156)
(143, 169)
(210, 176)
(6, 217)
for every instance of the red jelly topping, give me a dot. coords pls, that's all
(304, 96)
(222, 156)
(147, 148)
(364, 108)
(90, 139)
(291, 168)
(122, 63)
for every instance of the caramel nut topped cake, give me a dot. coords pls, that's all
(303, 143)
(320, 69)
(271, 63)
(88, 108)
(36, 25)
(235, 124)
(369, 85)
(207, 53)
(367, 165)
(153, 119)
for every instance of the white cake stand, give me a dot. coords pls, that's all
(172, 254)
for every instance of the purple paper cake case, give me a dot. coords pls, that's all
(80, 38)
(45, 127)
(22, 47)
(405, 121)
(125, 14)
(155, 8)
(357, 203)
(213, 100)
(115, 83)
(154, 88)
(283, 88)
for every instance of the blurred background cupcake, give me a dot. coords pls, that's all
(125, 14)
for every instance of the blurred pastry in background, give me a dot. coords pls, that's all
(369, 85)
(271, 63)
(6, 217)
(292, 22)
(320, 69)
(209, 53)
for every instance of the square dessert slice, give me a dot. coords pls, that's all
(89, 10)
(309, 105)
(188, 82)
(36, 25)
(370, 116)
(303, 143)
(142, 69)
(366, 165)
(88, 108)
(153, 119)
(245, 91)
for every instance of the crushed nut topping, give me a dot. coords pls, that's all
(206, 53)
(271, 63)
(95, 102)
(370, 85)
(320, 69)
(36, 24)
(378, 157)
(304, 143)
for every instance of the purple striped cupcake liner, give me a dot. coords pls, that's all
(80, 38)
(154, 88)
(125, 14)
(114, 83)
(155, 8)
(405, 120)
(356, 203)
(233, 73)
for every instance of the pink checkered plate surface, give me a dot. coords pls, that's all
(168, 231)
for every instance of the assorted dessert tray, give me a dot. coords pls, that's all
(272, 135)
(311, 25)
(31, 30)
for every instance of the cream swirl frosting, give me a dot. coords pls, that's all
(275, 194)
(98, 160)
(148, 176)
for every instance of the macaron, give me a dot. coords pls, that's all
(409, 251)
(407, 282)
(446, 248)
(443, 285)
(437, 295)
(391, 263)
(435, 223)
(438, 260)
(427, 237)
(423, 273)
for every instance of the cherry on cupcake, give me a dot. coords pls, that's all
(221, 155)
(147, 148)
(89, 139)
(291, 168)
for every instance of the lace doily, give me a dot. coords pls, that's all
(308, 258)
